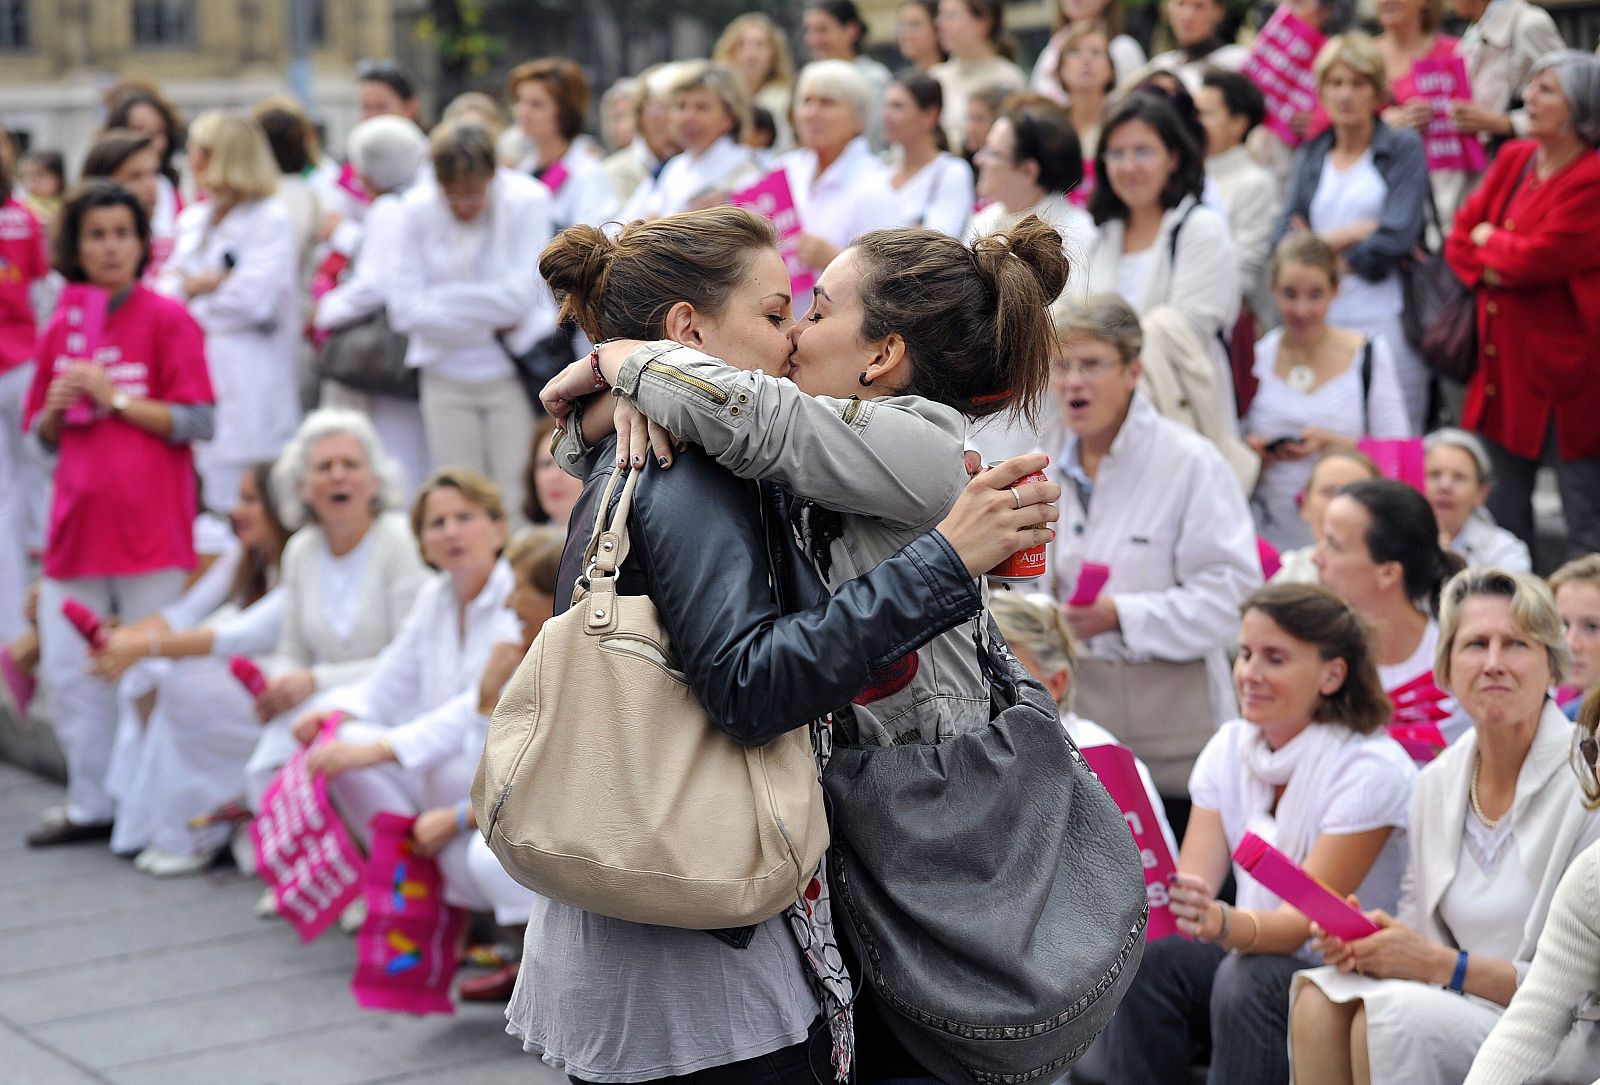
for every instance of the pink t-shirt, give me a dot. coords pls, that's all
(124, 500)
(1405, 88)
(23, 262)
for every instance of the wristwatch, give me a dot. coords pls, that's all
(120, 401)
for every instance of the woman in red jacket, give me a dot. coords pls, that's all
(1528, 241)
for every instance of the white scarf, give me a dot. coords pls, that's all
(1301, 768)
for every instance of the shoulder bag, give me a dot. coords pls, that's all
(604, 785)
(1400, 458)
(990, 887)
(368, 356)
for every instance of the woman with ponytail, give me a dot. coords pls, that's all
(932, 187)
(716, 556)
(1380, 553)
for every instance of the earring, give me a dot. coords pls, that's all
(865, 383)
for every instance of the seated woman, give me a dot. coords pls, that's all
(1495, 821)
(350, 575)
(1380, 553)
(1333, 471)
(1458, 479)
(193, 718)
(420, 733)
(1038, 637)
(1321, 387)
(550, 491)
(1577, 590)
(753, 662)
(1309, 769)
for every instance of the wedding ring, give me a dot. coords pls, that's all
(1018, 497)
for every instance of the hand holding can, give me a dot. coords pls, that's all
(1004, 510)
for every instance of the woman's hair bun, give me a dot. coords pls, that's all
(575, 265)
(1037, 244)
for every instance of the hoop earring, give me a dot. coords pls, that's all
(865, 383)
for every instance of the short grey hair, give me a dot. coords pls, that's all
(387, 151)
(1579, 75)
(289, 473)
(1450, 437)
(838, 79)
(1106, 317)
(1533, 609)
(723, 82)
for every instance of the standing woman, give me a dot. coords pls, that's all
(834, 30)
(932, 187)
(463, 288)
(1160, 506)
(549, 99)
(710, 111)
(840, 188)
(1321, 387)
(121, 423)
(1086, 76)
(972, 32)
(1528, 242)
(1380, 553)
(1158, 244)
(916, 34)
(234, 266)
(1362, 186)
(1501, 44)
(1200, 30)
(1307, 766)
(140, 107)
(130, 159)
(1127, 56)
(1408, 33)
(753, 46)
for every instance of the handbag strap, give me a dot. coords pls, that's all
(607, 548)
(1366, 386)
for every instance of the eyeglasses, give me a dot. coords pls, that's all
(1090, 367)
(1141, 156)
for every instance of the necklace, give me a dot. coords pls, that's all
(1472, 794)
(1302, 376)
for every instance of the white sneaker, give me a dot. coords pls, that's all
(141, 862)
(244, 850)
(166, 864)
(353, 916)
(267, 904)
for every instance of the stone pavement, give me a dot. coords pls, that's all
(110, 976)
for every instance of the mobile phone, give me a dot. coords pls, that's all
(1278, 444)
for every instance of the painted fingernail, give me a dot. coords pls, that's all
(638, 461)
(662, 460)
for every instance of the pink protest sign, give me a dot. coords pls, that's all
(1280, 64)
(771, 197)
(1423, 741)
(406, 952)
(1442, 80)
(303, 851)
(1289, 880)
(1399, 458)
(84, 307)
(1117, 771)
(1419, 701)
(351, 182)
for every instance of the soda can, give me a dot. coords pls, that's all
(1026, 564)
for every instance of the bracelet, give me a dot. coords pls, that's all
(1222, 933)
(463, 809)
(594, 364)
(1458, 981)
(155, 643)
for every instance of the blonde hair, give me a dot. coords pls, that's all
(466, 482)
(1105, 317)
(1308, 250)
(1359, 53)
(721, 81)
(535, 557)
(1584, 570)
(239, 165)
(1533, 609)
(1034, 622)
(476, 107)
(782, 72)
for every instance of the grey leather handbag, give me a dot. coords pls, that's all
(991, 889)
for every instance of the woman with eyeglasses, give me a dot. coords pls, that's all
(1495, 822)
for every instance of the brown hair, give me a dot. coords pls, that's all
(564, 82)
(623, 288)
(120, 100)
(1077, 34)
(535, 557)
(291, 136)
(1588, 722)
(1309, 250)
(976, 322)
(1315, 615)
(782, 72)
(1110, 19)
(254, 576)
(465, 481)
(113, 148)
(460, 150)
(993, 11)
(544, 435)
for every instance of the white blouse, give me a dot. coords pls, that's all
(1343, 198)
(939, 196)
(847, 199)
(722, 167)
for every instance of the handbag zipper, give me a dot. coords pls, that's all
(703, 387)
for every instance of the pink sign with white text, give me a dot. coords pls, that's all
(303, 851)
(1120, 776)
(771, 198)
(406, 952)
(1443, 80)
(1280, 63)
(85, 307)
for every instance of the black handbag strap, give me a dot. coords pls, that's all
(1366, 387)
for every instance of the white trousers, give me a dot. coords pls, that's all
(399, 425)
(83, 709)
(186, 759)
(484, 425)
(472, 885)
(24, 498)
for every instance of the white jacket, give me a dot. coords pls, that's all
(1169, 518)
(1481, 542)
(252, 322)
(851, 196)
(452, 284)
(366, 290)
(585, 197)
(1253, 201)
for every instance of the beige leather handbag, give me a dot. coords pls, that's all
(605, 786)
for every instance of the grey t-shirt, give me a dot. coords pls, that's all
(606, 1000)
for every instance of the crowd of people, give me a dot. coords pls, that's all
(336, 418)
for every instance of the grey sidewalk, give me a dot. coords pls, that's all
(108, 975)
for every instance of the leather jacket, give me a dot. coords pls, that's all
(765, 647)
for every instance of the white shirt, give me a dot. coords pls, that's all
(342, 576)
(1132, 270)
(722, 167)
(1364, 785)
(1345, 197)
(961, 79)
(1483, 542)
(1228, 57)
(453, 283)
(939, 196)
(849, 198)
(366, 289)
(1252, 201)
(584, 197)
(252, 321)
(1281, 411)
(1169, 518)
(425, 683)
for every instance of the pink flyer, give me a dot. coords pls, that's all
(1280, 64)
(771, 197)
(406, 952)
(85, 308)
(1117, 771)
(1442, 80)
